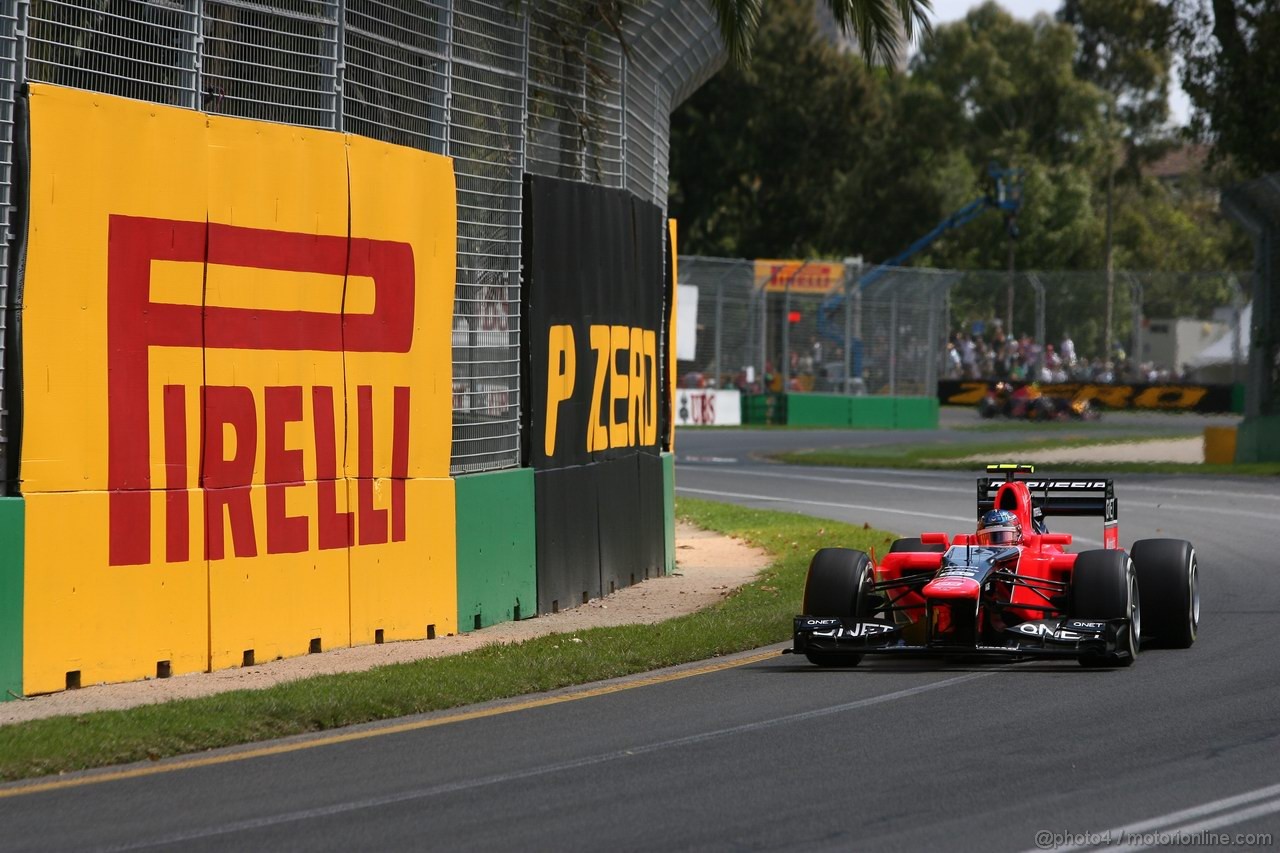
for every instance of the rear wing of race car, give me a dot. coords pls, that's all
(1089, 497)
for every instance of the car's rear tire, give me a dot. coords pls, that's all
(838, 585)
(1104, 585)
(1170, 579)
(913, 544)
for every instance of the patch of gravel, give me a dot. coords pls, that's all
(708, 567)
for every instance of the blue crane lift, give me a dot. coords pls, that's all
(1004, 194)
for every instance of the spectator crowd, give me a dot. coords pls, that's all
(1024, 359)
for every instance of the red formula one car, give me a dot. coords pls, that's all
(1010, 589)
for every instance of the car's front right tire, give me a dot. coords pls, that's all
(1169, 575)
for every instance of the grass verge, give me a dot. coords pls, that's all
(756, 615)
(948, 457)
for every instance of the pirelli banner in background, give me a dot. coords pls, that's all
(593, 296)
(1171, 396)
(237, 421)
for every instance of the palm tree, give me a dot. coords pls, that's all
(878, 25)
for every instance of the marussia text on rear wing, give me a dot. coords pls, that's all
(1080, 497)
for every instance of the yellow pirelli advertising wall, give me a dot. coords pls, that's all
(236, 422)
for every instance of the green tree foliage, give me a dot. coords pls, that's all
(1013, 87)
(737, 142)
(1123, 48)
(1231, 71)
(880, 26)
(807, 153)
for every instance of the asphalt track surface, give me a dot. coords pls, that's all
(766, 752)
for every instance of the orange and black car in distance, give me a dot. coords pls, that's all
(1012, 589)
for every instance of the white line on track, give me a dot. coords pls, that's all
(967, 519)
(519, 775)
(1176, 491)
(1210, 510)
(966, 485)
(885, 484)
(1171, 823)
(844, 481)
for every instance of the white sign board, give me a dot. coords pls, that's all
(708, 407)
(686, 322)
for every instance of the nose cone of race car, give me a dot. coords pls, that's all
(951, 588)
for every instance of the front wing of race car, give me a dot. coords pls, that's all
(1056, 637)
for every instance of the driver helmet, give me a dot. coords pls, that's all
(999, 527)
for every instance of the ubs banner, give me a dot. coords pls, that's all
(237, 423)
(594, 284)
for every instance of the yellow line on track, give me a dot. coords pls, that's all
(396, 728)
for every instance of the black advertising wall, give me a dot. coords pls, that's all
(594, 277)
(1171, 396)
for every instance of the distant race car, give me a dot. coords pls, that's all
(1010, 590)
(1028, 402)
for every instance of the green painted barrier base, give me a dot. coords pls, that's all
(669, 509)
(497, 553)
(1258, 439)
(835, 410)
(12, 538)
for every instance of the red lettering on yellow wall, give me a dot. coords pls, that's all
(227, 478)
(231, 429)
(286, 534)
(334, 529)
(177, 501)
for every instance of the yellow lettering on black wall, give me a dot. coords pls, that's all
(636, 383)
(620, 340)
(562, 368)
(651, 409)
(971, 392)
(1170, 397)
(1111, 396)
(597, 432)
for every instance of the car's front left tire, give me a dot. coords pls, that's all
(1104, 585)
(838, 584)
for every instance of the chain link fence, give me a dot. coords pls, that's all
(554, 87)
(907, 328)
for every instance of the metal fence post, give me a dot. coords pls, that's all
(848, 328)
(764, 336)
(1040, 309)
(623, 137)
(946, 325)
(857, 327)
(339, 64)
(1135, 307)
(448, 78)
(1237, 355)
(931, 360)
(719, 328)
(197, 59)
(786, 336)
(893, 343)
